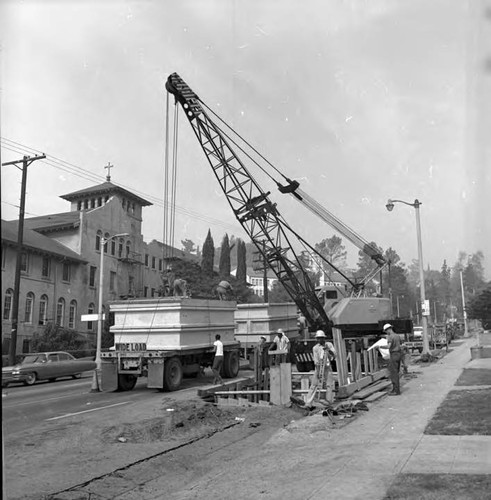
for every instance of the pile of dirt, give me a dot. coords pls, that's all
(189, 420)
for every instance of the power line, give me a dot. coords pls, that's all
(73, 169)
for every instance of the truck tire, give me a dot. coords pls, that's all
(172, 374)
(231, 364)
(126, 382)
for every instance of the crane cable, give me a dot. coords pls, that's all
(170, 183)
(306, 200)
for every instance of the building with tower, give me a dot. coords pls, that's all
(61, 256)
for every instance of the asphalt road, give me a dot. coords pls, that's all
(26, 407)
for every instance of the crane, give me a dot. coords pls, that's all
(256, 212)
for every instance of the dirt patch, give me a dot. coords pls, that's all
(474, 376)
(439, 487)
(178, 421)
(463, 413)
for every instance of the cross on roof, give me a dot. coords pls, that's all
(108, 166)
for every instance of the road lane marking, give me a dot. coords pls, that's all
(87, 411)
(43, 400)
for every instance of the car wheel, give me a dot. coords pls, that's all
(30, 379)
(77, 375)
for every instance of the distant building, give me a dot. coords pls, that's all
(61, 262)
(256, 280)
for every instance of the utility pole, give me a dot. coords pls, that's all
(464, 312)
(26, 161)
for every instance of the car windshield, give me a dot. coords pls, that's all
(34, 358)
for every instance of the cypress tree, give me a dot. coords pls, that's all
(224, 267)
(208, 254)
(241, 274)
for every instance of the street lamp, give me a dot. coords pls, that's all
(424, 320)
(95, 378)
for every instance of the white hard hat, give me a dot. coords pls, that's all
(386, 326)
(319, 334)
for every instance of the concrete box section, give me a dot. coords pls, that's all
(360, 310)
(256, 320)
(169, 323)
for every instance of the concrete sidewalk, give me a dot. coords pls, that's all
(311, 460)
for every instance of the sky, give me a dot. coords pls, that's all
(360, 101)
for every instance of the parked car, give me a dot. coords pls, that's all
(46, 366)
(418, 332)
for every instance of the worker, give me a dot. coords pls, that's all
(394, 343)
(168, 281)
(224, 290)
(324, 353)
(280, 343)
(180, 288)
(303, 331)
(217, 360)
(261, 353)
(383, 348)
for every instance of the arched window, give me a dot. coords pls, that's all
(72, 314)
(60, 311)
(29, 307)
(98, 237)
(113, 247)
(92, 203)
(90, 310)
(106, 238)
(120, 248)
(7, 304)
(43, 309)
(86, 204)
(128, 246)
(99, 201)
(79, 205)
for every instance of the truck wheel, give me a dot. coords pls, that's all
(126, 382)
(231, 364)
(172, 374)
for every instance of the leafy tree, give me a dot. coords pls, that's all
(365, 266)
(224, 267)
(208, 255)
(241, 274)
(333, 250)
(57, 338)
(474, 273)
(480, 306)
(188, 246)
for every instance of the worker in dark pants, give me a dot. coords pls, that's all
(394, 344)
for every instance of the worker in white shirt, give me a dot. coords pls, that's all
(323, 353)
(218, 360)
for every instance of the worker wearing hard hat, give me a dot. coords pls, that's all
(323, 353)
(395, 351)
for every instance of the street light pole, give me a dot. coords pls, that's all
(464, 312)
(424, 319)
(95, 379)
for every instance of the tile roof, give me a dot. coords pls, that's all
(65, 220)
(37, 242)
(105, 188)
